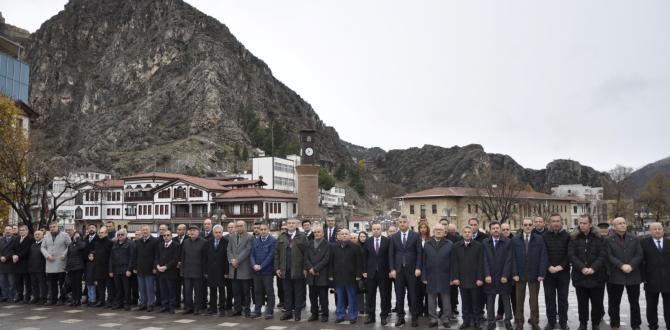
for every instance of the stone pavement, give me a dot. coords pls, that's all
(32, 317)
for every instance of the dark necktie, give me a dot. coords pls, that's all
(216, 244)
(376, 245)
(167, 245)
(658, 244)
(495, 243)
(404, 238)
(526, 241)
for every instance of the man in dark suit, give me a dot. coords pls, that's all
(506, 231)
(193, 261)
(36, 268)
(330, 230)
(376, 272)
(479, 236)
(468, 274)
(625, 262)
(307, 229)
(405, 265)
(656, 251)
(290, 254)
(20, 259)
(497, 274)
(317, 261)
(263, 262)
(557, 282)
(530, 260)
(205, 233)
(7, 268)
(179, 283)
(345, 272)
(167, 259)
(216, 271)
(145, 254)
(453, 236)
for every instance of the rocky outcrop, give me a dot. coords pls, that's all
(638, 179)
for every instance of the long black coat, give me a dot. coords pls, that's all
(588, 251)
(217, 262)
(103, 251)
(468, 263)
(376, 262)
(319, 259)
(437, 266)
(346, 264)
(498, 264)
(22, 250)
(168, 257)
(628, 253)
(193, 258)
(36, 261)
(7, 246)
(75, 255)
(121, 258)
(657, 265)
(145, 254)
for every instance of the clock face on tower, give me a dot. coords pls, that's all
(309, 151)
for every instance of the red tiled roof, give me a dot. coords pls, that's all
(472, 192)
(205, 183)
(109, 183)
(245, 183)
(254, 193)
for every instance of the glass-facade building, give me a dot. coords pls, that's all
(14, 76)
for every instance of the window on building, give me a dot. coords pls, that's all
(411, 209)
(294, 208)
(195, 192)
(180, 192)
(423, 210)
(434, 209)
(164, 194)
(469, 208)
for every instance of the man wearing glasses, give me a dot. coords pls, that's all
(120, 269)
(529, 254)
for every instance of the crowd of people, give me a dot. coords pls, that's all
(202, 271)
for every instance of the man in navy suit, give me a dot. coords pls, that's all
(656, 251)
(405, 265)
(376, 273)
(330, 230)
(530, 260)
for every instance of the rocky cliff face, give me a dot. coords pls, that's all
(137, 85)
(133, 85)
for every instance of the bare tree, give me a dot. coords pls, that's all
(656, 195)
(497, 196)
(620, 176)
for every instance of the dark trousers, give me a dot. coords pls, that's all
(122, 296)
(23, 286)
(454, 298)
(511, 296)
(318, 300)
(192, 286)
(421, 298)
(406, 280)
(241, 296)
(101, 288)
(179, 289)
(134, 289)
(168, 288)
(615, 292)
(534, 291)
(264, 292)
(556, 288)
(294, 295)
(652, 308)
(471, 305)
(75, 283)
(56, 282)
(595, 297)
(504, 302)
(229, 294)
(38, 285)
(217, 297)
(280, 289)
(205, 285)
(384, 285)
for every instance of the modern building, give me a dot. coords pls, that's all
(278, 173)
(333, 197)
(64, 190)
(458, 204)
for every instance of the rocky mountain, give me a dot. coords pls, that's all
(638, 179)
(430, 166)
(137, 85)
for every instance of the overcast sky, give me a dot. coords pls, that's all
(538, 80)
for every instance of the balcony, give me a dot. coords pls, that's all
(146, 198)
(190, 215)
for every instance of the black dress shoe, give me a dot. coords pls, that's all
(324, 319)
(464, 326)
(188, 311)
(150, 309)
(491, 326)
(313, 318)
(508, 325)
(384, 321)
(238, 313)
(370, 320)
(339, 321)
(296, 318)
(477, 327)
(400, 322)
(432, 324)
(139, 308)
(582, 327)
(352, 321)
(196, 312)
(285, 317)
(415, 323)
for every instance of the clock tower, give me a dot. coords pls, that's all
(308, 176)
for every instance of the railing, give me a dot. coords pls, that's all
(191, 215)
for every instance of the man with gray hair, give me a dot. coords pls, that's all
(145, 254)
(239, 271)
(437, 275)
(121, 262)
(657, 267)
(54, 249)
(290, 252)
